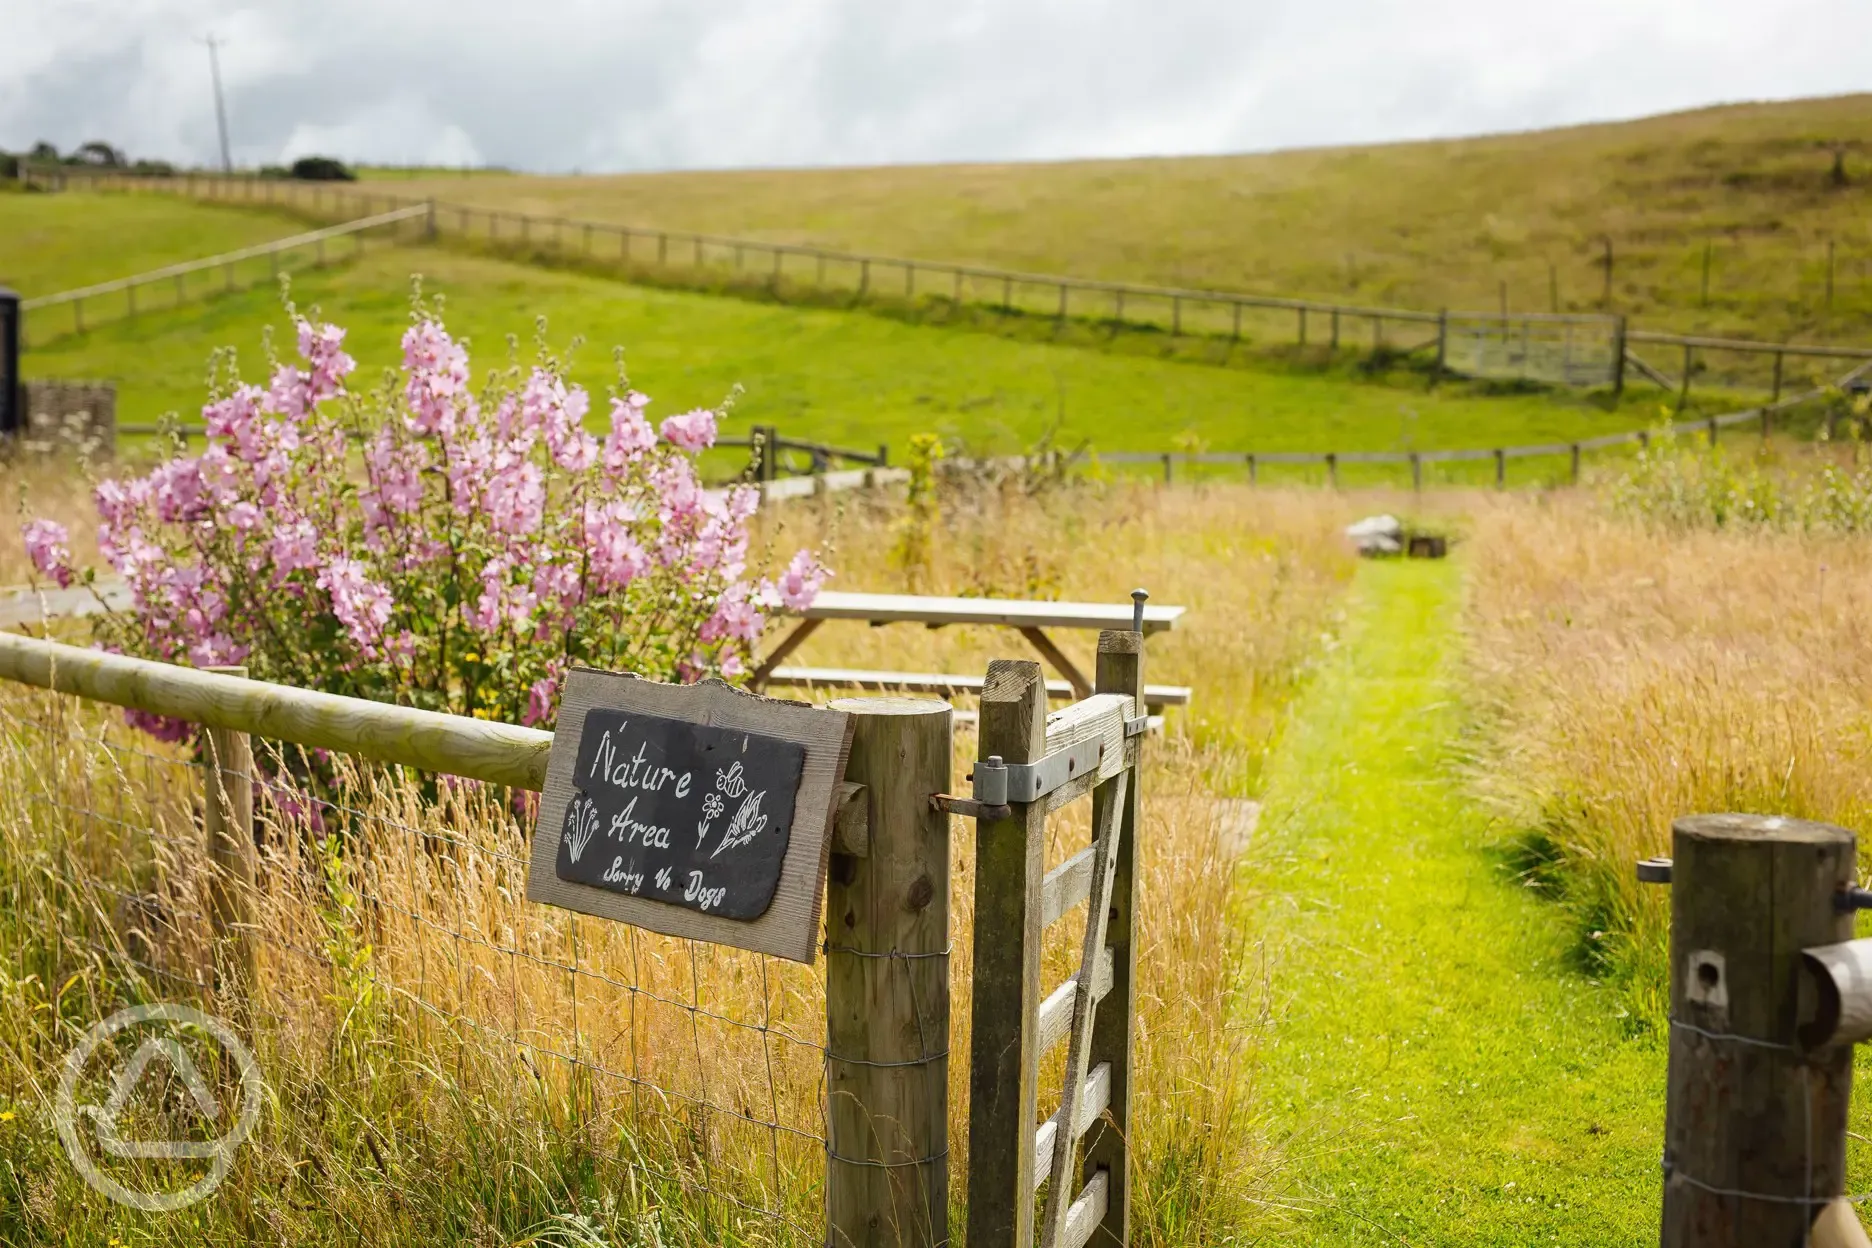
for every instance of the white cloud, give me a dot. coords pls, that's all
(631, 84)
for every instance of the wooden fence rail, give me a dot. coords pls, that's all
(225, 262)
(1761, 417)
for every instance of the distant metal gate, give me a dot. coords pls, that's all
(1556, 349)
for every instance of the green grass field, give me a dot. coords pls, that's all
(1425, 225)
(849, 377)
(50, 243)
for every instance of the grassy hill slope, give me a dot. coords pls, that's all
(50, 243)
(849, 377)
(1428, 224)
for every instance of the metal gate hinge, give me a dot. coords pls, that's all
(998, 783)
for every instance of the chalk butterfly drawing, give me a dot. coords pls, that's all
(581, 824)
(712, 808)
(745, 826)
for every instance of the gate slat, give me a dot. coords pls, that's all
(1093, 1098)
(1056, 1010)
(1065, 886)
(1108, 822)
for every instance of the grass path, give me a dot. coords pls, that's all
(1436, 1075)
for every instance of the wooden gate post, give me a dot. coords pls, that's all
(1754, 1129)
(228, 821)
(1010, 865)
(1618, 349)
(887, 986)
(1120, 670)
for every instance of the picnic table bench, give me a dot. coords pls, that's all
(1030, 618)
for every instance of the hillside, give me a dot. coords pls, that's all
(1428, 224)
(845, 376)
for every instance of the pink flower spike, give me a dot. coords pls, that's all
(48, 546)
(631, 435)
(801, 581)
(691, 431)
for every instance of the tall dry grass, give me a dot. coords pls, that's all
(448, 1062)
(1630, 673)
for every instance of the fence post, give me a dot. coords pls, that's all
(227, 792)
(1775, 397)
(1004, 1070)
(1746, 1110)
(1575, 450)
(1252, 472)
(887, 986)
(1501, 468)
(429, 223)
(1618, 357)
(1332, 469)
(1683, 392)
(12, 393)
(1442, 339)
(1120, 670)
(1416, 472)
(1169, 461)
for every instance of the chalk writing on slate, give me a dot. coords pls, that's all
(684, 813)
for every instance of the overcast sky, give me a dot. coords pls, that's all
(660, 84)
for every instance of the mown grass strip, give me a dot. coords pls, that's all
(1435, 1074)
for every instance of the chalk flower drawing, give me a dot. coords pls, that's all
(581, 825)
(730, 781)
(712, 808)
(746, 825)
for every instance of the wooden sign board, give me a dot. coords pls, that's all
(698, 810)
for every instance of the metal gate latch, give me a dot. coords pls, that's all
(998, 783)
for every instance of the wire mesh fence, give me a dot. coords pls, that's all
(396, 968)
(1560, 350)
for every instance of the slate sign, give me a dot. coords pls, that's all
(701, 811)
(685, 813)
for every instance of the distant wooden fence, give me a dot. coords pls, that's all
(1762, 417)
(1559, 349)
(175, 277)
(887, 983)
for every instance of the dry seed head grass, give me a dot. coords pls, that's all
(430, 1040)
(1627, 678)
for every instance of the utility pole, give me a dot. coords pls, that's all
(214, 70)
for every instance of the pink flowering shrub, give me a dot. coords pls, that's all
(430, 543)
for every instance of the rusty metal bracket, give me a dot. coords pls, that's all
(969, 808)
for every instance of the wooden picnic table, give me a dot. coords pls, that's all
(1028, 617)
(1031, 618)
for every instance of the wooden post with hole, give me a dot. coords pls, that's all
(1754, 1128)
(1120, 670)
(228, 824)
(1009, 867)
(887, 985)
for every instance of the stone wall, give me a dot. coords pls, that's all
(74, 416)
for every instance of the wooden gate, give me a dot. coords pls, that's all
(1029, 766)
